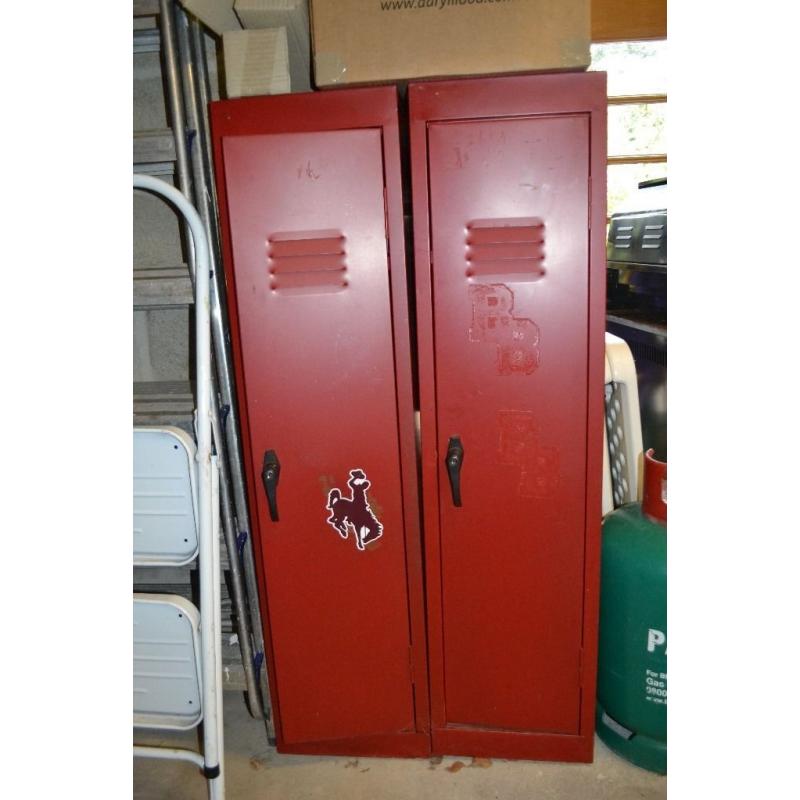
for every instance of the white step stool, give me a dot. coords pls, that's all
(177, 654)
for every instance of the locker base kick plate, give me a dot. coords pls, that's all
(401, 745)
(456, 742)
(514, 745)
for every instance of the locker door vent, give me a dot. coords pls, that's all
(623, 236)
(652, 236)
(307, 262)
(506, 249)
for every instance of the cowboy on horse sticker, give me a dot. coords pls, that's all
(354, 512)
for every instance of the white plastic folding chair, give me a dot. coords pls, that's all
(622, 453)
(177, 656)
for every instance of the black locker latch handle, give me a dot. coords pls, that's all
(453, 462)
(270, 473)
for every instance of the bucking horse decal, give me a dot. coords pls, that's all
(354, 513)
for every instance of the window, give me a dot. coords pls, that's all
(637, 106)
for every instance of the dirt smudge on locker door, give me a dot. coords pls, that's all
(519, 445)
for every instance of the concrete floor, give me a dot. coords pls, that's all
(255, 772)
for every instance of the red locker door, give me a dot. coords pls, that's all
(308, 249)
(510, 320)
(510, 253)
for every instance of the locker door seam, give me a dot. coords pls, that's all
(435, 390)
(588, 411)
(398, 432)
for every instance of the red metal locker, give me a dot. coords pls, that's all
(311, 209)
(508, 180)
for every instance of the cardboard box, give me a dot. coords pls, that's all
(256, 62)
(289, 14)
(217, 15)
(369, 41)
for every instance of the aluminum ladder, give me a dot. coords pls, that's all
(184, 151)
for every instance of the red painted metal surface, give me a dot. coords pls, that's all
(508, 182)
(654, 501)
(311, 208)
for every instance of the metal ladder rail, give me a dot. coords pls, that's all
(173, 81)
(208, 487)
(240, 606)
(192, 54)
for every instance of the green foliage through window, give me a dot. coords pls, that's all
(633, 68)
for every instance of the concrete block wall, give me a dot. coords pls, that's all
(161, 338)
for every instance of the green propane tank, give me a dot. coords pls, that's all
(632, 668)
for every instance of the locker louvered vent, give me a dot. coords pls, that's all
(623, 236)
(506, 249)
(307, 262)
(638, 238)
(652, 236)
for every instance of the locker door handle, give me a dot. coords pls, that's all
(453, 461)
(270, 473)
